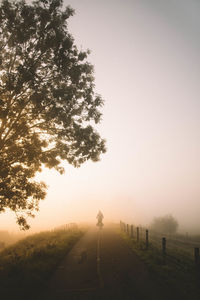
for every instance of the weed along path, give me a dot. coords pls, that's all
(101, 266)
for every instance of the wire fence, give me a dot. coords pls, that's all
(177, 249)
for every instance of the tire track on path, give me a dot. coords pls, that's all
(99, 242)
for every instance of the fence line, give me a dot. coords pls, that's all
(168, 245)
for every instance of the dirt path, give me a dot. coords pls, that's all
(101, 266)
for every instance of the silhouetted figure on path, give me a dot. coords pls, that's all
(100, 218)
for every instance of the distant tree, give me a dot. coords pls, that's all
(47, 101)
(167, 224)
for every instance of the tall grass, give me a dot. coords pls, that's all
(28, 264)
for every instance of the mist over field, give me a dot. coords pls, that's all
(99, 149)
(146, 59)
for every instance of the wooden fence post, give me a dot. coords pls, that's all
(196, 256)
(147, 238)
(127, 229)
(132, 231)
(164, 250)
(138, 234)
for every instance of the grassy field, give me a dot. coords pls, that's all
(178, 273)
(27, 265)
(7, 238)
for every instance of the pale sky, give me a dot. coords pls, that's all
(147, 68)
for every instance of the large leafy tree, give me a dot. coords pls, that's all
(48, 106)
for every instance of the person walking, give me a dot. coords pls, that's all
(99, 219)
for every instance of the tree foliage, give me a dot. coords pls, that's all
(167, 224)
(48, 106)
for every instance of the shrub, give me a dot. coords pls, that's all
(166, 224)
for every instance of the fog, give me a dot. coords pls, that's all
(147, 68)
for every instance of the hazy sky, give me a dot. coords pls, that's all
(147, 68)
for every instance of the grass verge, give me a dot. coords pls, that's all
(177, 274)
(27, 265)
